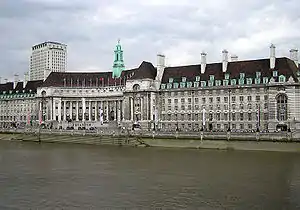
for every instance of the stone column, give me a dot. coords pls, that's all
(90, 110)
(96, 111)
(53, 110)
(107, 117)
(59, 110)
(77, 111)
(65, 110)
(141, 107)
(83, 109)
(119, 111)
(116, 110)
(71, 110)
(123, 110)
(151, 107)
(131, 108)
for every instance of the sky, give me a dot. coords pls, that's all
(180, 30)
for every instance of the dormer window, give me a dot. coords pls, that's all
(196, 84)
(170, 80)
(226, 76)
(265, 80)
(242, 75)
(210, 83)
(275, 73)
(169, 85)
(249, 81)
(211, 77)
(175, 85)
(233, 82)
(298, 73)
(257, 81)
(183, 79)
(241, 81)
(258, 74)
(189, 84)
(163, 86)
(218, 82)
(197, 78)
(182, 84)
(282, 78)
(225, 82)
(203, 83)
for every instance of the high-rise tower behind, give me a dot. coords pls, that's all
(47, 57)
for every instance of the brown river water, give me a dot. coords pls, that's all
(66, 176)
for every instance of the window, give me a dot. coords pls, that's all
(257, 81)
(241, 116)
(281, 78)
(189, 84)
(281, 107)
(182, 100)
(225, 82)
(196, 84)
(249, 98)
(257, 98)
(203, 83)
(233, 82)
(175, 85)
(242, 75)
(183, 79)
(182, 84)
(227, 76)
(170, 80)
(241, 81)
(169, 85)
(197, 78)
(196, 100)
(265, 80)
(210, 83)
(211, 77)
(249, 116)
(258, 74)
(275, 73)
(218, 82)
(249, 81)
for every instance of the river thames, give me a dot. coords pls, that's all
(67, 176)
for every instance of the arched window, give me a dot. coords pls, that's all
(281, 107)
(282, 78)
(136, 87)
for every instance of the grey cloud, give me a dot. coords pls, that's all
(180, 29)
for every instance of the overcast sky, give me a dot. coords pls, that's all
(180, 29)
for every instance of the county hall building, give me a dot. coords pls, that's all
(234, 95)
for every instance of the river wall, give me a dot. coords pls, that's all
(184, 141)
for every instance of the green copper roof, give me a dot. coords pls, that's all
(118, 65)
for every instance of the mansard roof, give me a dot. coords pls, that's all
(283, 65)
(92, 79)
(6, 87)
(85, 79)
(31, 86)
(145, 71)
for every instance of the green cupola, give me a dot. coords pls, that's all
(118, 66)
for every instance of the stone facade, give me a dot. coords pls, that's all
(233, 95)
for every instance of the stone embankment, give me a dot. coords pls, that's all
(266, 142)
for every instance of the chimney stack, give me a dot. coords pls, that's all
(272, 56)
(25, 79)
(294, 56)
(161, 64)
(203, 62)
(234, 58)
(16, 80)
(225, 60)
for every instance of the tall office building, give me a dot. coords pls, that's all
(47, 57)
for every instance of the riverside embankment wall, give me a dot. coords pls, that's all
(254, 143)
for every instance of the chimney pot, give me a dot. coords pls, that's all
(272, 56)
(225, 60)
(203, 62)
